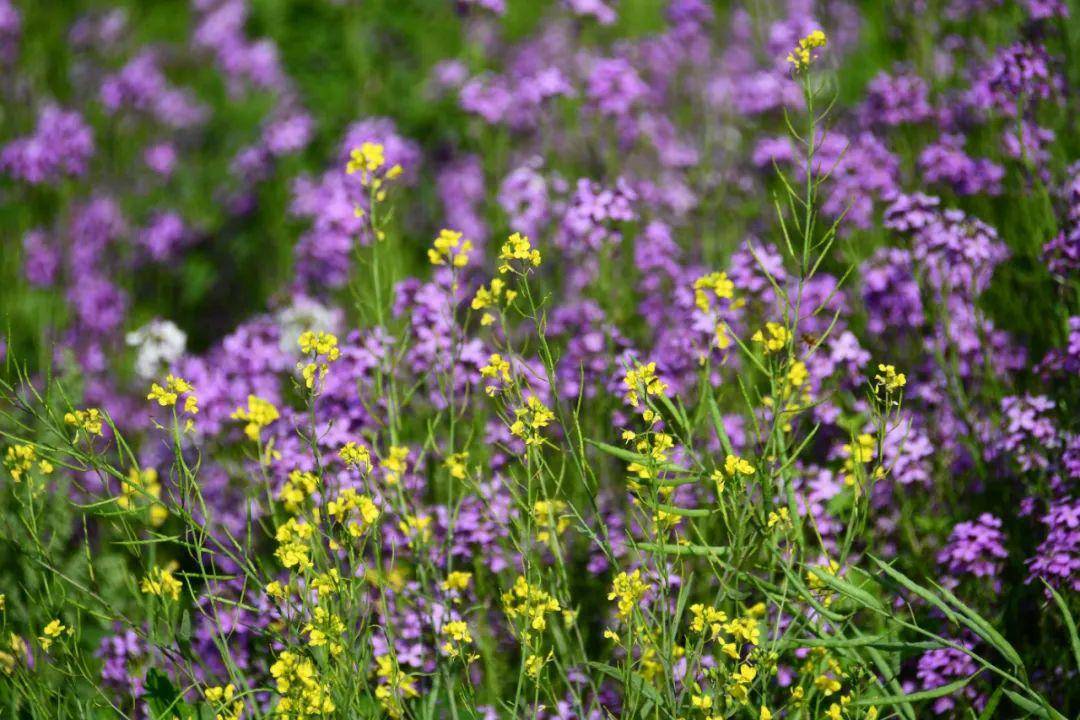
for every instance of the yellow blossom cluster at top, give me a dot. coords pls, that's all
(221, 699)
(395, 686)
(143, 485)
(162, 583)
(495, 294)
(51, 632)
(530, 419)
(497, 368)
(717, 284)
(258, 414)
(803, 54)
(888, 379)
(528, 606)
(303, 695)
(518, 247)
(642, 379)
(168, 396)
(19, 459)
(627, 589)
(355, 456)
(89, 420)
(774, 337)
(449, 247)
(321, 349)
(368, 160)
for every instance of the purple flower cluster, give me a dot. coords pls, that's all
(60, 146)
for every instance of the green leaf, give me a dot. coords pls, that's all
(931, 694)
(1070, 624)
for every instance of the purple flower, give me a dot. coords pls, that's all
(1029, 434)
(161, 158)
(945, 161)
(945, 665)
(592, 8)
(164, 236)
(1057, 559)
(896, 99)
(41, 259)
(61, 145)
(975, 548)
(614, 86)
(10, 31)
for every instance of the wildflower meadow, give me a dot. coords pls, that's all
(557, 359)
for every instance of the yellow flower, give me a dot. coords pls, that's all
(356, 456)
(222, 700)
(802, 55)
(168, 395)
(320, 344)
(735, 465)
(517, 247)
(529, 603)
(19, 459)
(456, 464)
(457, 580)
(889, 379)
(774, 337)
(89, 420)
(259, 414)
(718, 284)
(530, 420)
(394, 465)
(49, 633)
(643, 378)
(160, 582)
(449, 246)
(628, 590)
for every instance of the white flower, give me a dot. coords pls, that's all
(159, 343)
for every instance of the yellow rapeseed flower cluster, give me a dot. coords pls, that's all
(628, 590)
(395, 464)
(221, 698)
(528, 606)
(395, 686)
(355, 456)
(258, 414)
(321, 349)
(302, 693)
(357, 512)
(803, 54)
(162, 583)
(715, 284)
(530, 419)
(298, 487)
(518, 247)
(773, 337)
(494, 295)
(168, 395)
(449, 247)
(143, 485)
(89, 421)
(20, 459)
(642, 379)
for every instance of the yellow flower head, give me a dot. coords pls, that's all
(518, 247)
(89, 420)
(643, 379)
(803, 54)
(160, 582)
(259, 414)
(450, 248)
